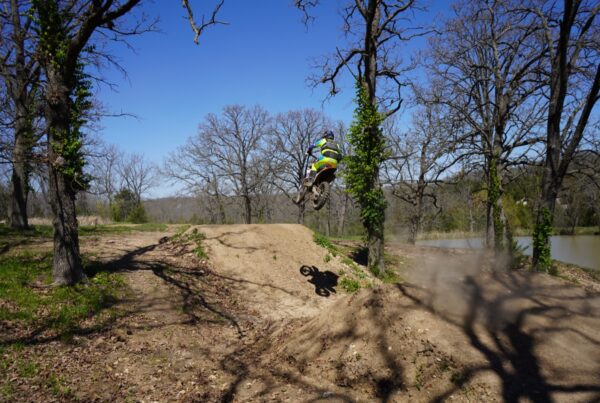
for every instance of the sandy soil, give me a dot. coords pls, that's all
(248, 326)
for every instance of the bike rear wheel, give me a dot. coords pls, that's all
(321, 194)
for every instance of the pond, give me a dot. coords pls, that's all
(581, 250)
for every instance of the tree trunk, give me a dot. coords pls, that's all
(67, 265)
(375, 244)
(375, 239)
(301, 211)
(375, 230)
(417, 216)
(222, 215)
(471, 218)
(489, 224)
(17, 208)
(413, 229)
(247, 209)
(541, 257)
(328, 227)
(342, 221)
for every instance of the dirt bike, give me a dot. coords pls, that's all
(319, 187)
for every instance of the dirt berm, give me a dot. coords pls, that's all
(279, 269)
(501, 337)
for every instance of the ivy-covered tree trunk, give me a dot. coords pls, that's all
(498, 236)
(375, 228)
(542, 258)
(67, 264)
(362, 174)
(571, 47)
(67, 103)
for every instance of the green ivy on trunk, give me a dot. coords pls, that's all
(362, 168)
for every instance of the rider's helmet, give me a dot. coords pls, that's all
(328, 134)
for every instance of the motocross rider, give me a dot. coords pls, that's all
(329, 155)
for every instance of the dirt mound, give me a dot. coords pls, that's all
(277, 267)
(378, 345)
(391, 344)
(457, 331)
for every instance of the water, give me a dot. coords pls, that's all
(581, 250)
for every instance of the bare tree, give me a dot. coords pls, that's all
(419, 159)
(226, 157)
(293, 133)
(485, 68)
(137, 175)
(20, 72)
(104, 171)
(573, 86)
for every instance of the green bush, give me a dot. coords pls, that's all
(137, 215)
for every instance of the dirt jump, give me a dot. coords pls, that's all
(259, 316)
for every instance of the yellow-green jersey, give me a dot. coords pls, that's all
(330, 154)
(328, 148)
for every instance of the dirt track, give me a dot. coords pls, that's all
(247, 325)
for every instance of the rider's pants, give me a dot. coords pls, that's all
(321, 162)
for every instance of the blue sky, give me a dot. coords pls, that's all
(262, 57)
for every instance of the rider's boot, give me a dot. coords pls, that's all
(308, 181)
(298, 199)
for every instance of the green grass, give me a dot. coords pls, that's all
(121, 229)
(27, 297)
(419, 377)
(349, 284)
(325, 242)
(196, 238)
(57, 387)
(351, 280)
(45, 231)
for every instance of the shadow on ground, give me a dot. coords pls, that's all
(514, 327)
(324, 281)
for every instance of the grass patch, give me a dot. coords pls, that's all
(107, 229)
(419, 377)
(26, 296)
(56, 384)
(349, 284)
(352, 280)
(196, 238)
(46, 231)
(34, 231)
(326, 243)
(26, 369)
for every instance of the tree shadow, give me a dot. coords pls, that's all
(324, 281)
(221, 239)
(509, 327)
(360, 255)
